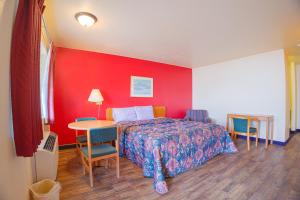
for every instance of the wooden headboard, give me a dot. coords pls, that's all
(158, 111)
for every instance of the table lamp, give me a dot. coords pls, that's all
(96, 97)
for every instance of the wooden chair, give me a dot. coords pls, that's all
(97, 149)
(81, 139)
(242, 125)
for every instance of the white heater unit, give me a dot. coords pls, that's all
(46, 157)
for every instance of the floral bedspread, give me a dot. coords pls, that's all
(166, 147)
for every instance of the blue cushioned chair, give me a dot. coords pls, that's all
(241, 125)
(197, 115)
(81, 139)
(97, 149)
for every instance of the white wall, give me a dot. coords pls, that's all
(254, 85)
(15, 172)
(298, 96)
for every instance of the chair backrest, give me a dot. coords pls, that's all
(240, 124)
(197, 115)
(103, 134)
(85, 119)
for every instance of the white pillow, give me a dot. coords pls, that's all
(144, 112)
(124, 114)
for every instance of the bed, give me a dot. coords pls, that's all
(165, 147)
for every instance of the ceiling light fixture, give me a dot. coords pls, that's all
(86, 19)
(298, 45)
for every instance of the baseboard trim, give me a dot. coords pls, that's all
(67, 146)
(261, 140)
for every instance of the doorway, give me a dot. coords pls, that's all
(297, 89)
(294, 92)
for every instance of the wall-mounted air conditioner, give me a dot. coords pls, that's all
(46, 158)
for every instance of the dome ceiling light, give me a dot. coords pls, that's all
(86, 19)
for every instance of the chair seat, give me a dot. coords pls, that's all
(100, 150)
(81, 138)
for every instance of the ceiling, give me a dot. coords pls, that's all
(188, 33)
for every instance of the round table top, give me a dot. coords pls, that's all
(87, 125)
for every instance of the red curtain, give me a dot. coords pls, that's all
(50, 86)
(25, 77)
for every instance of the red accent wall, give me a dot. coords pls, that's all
(77, 72)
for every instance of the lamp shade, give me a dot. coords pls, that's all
(96, 96)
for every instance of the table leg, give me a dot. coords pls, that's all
(227, 127)
(267, 133)
(272, 130)
(258, 129)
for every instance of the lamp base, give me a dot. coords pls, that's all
(98, 116)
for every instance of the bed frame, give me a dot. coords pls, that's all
(158, 111)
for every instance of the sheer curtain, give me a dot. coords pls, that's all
(45, 73)
(50, 102)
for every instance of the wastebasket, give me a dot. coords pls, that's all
(45, 190)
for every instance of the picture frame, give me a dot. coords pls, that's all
(141, 86)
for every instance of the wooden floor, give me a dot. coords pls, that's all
(259, 174)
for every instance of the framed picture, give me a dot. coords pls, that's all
(141, 86)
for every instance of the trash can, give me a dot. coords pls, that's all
(45, 190)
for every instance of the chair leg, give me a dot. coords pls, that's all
(118, 166)
(91, 173)
(248, 141)
(83, 162)
(256, 142)
(232, 136)
(106, 163)
(77, 147)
